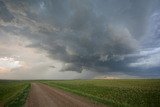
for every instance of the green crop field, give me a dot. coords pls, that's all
(13, 93)
(116, 93)
(113, 93)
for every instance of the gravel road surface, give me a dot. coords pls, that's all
(42, 95)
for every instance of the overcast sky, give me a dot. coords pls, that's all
(74, 39)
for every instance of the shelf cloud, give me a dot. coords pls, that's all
(101, 37)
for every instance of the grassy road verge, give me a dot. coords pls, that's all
(13, 93)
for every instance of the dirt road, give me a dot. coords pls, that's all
(42, 95)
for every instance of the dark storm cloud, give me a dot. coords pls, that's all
(5, 15)
(84, 34)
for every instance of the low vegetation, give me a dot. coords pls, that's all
(116, 93)
(13, 93)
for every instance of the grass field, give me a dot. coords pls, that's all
(13, 93)
(116, 93)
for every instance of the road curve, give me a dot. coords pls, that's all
(42, 95)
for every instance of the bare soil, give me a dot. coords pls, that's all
(42, 95)
(1, 104)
